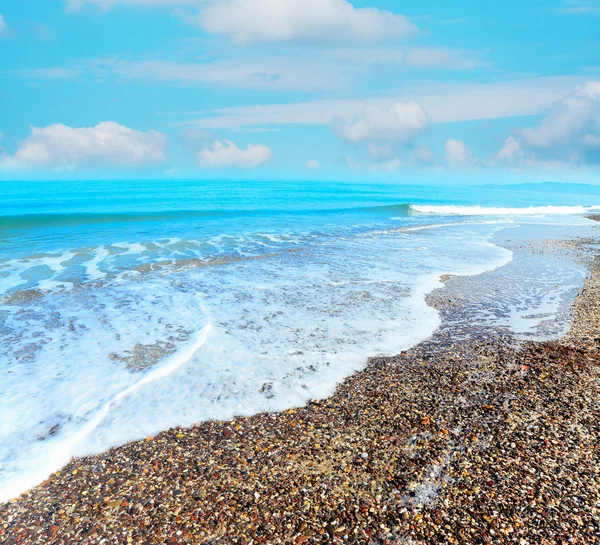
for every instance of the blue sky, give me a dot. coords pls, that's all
(299, 89)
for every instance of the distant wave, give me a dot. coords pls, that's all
(498, 211)
(32, 221)
(398, 209)
(28, 221)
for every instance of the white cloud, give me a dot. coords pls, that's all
(250, 21)
(107, 144)
(3, 26)
(444, 104)
(511, 150)
(457, 153)
(574, 117)
(225, 154)
(309, 70)
(313, 164)
(261, 72)
(423, 156)
(401, 122)
(312, 70)
(569, 133)
(445, 58)
(256, 73)
(421, 57)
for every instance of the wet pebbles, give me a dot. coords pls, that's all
(468, 438)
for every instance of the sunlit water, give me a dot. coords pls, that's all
(131, 307)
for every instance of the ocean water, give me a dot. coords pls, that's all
(127, 308)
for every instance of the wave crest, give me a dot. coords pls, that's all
(452, 210)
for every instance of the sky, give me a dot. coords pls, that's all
(300, 89)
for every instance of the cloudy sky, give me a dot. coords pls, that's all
(299, 89)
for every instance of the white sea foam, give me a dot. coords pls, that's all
(500, 211)
(442, 225)
(239, 338)
(91, 267)
(40, 268)
(42, 460)
(131, 247)
(11, 274)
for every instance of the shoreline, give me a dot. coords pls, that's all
(464, 438)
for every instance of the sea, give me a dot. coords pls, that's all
(130, 307)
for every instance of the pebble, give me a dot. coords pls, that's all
(469, 438)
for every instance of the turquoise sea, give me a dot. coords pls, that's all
(127, 308)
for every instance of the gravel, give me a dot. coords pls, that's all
(468, 438)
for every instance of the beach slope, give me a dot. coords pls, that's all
(468, 438)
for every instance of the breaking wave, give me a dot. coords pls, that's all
(501, 211)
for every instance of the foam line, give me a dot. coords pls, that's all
(493, 211)
(63, 450)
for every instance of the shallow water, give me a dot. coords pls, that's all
(131, 308)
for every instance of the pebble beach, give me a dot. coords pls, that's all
(468, 438)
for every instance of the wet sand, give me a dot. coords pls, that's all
(468, 438)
